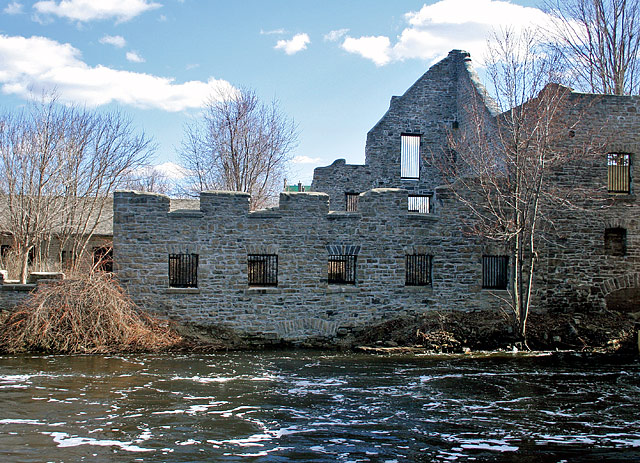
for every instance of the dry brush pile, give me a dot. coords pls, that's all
(87, 315)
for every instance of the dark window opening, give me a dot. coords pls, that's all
(69, 259)
(183, 270)
(262, 269)
(410, 156)
(494, 272)
(342, 269)
(419, 203)
(352, 201)
(615, 241)
(618, 173)
(418, 270)
(4, 250)
(103, 259)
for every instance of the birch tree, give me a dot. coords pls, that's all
(599, 41)
(503, 167)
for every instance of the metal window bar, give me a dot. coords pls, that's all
(262, 269)
(183, 270)
(419, 203)
(342, 269)
(410, 156)
(618, 173)
(494, 272)
(351, 200)
(418, 270)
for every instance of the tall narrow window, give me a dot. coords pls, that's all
(494, 272)
(352, 201)
(342, 269)
(419, 203)
(618, 173)
(417, 270)
(183, 270)
(615, 241)
(410, 156)
(262, 269)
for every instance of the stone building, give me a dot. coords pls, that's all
(377, 241)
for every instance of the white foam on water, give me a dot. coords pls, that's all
(62, 439)
(188, 442)
(21, 421)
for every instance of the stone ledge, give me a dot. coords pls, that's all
(427, 289)
(18, 287)
(343, 215)
(419, 216)
(182, 291)
(263, 290)
(181, 213)
(265, 215)
(335, 289)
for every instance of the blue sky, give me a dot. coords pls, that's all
(333, 65)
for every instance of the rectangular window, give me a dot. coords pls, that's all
(262, 269)
(410, 156)
(419, 203)
(417, 270)
(103, 259)
(342, 269)
(618, 173)
(183, 270)
(352, 201)
(494, 272)
(615, 241)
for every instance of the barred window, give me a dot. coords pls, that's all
(615, 241)
(351, 200)
(495, 272)
(418, 270)
(342, 269)
(183, 270)
(262, 269)
(419, 203)
(618, 173)
(410, 156)
(103, 258)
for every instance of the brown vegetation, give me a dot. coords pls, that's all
(86, 315)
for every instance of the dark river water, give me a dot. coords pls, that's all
(320, 407)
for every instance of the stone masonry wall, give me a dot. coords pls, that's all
(301, 231)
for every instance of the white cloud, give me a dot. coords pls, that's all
(35, 64)
(172, 170)
(294, 45)
(377, 49)
(134, 57)
(13, 8)
(437, 28)
(336, 35)
(273, 32)
(115, 40)
(305, 160)
(90, 10)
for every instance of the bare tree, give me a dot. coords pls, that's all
(150, 180)
(599, 41)
(58, 166)
(502, 172)
(240, 144)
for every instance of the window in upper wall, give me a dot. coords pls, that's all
(618, 173)
(419, 203)
(262, 269)
(410, 156)
(351, 200)
(417, 270)
(183, 270)
(494, 272)
(615, 241)
(342, 269)
(103, 258)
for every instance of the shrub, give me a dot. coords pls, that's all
(91, 314)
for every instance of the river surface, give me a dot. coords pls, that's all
(283, 406)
